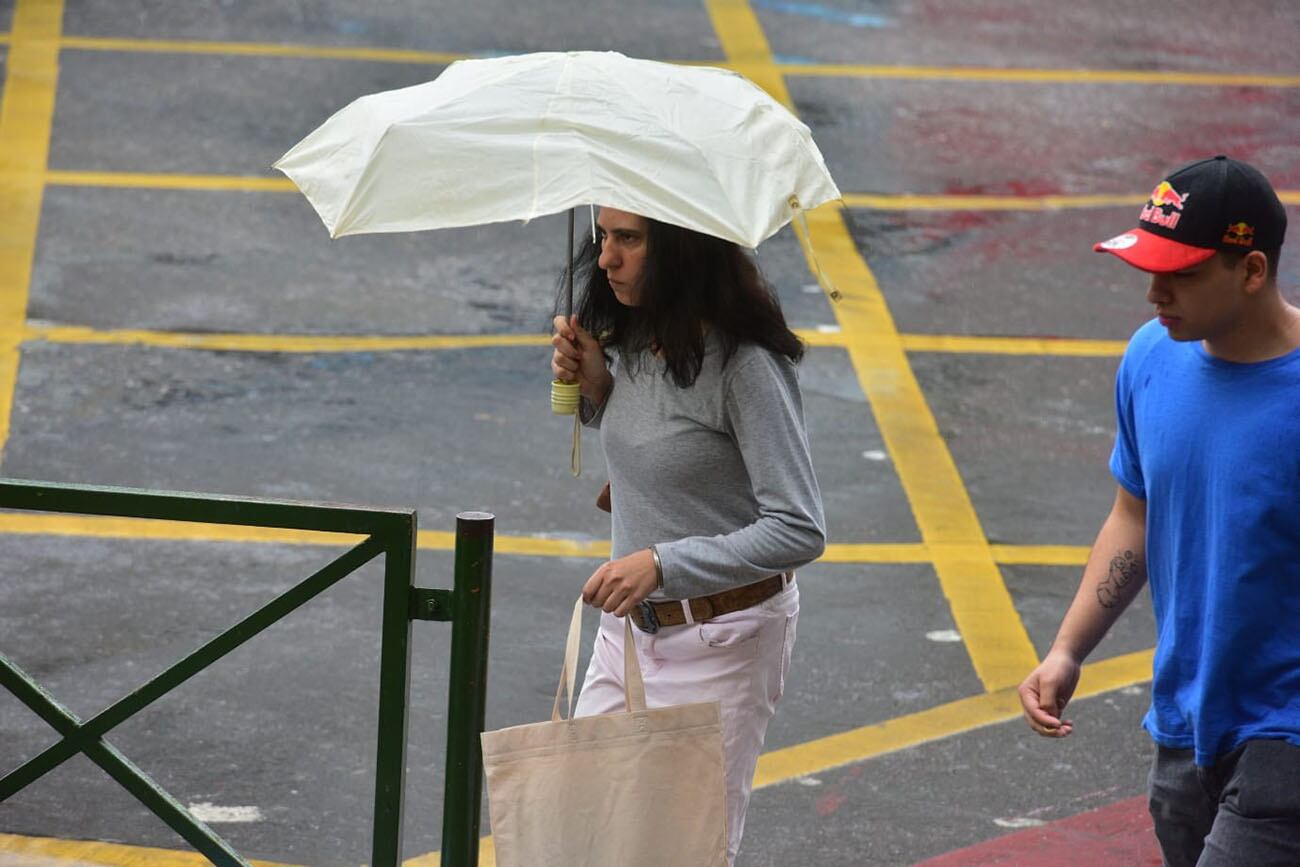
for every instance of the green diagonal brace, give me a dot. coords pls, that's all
(77, 741)
(120, 768)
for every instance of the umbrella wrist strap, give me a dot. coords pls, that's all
(805, 243)
(575, 452)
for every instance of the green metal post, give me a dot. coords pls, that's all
(467, 692)
(394, 696)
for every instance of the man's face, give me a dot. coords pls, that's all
(622, 238)
(1202, 302)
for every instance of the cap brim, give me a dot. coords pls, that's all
(1150, 252)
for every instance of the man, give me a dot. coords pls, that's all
(1207, 456)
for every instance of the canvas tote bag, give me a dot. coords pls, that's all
(642, 788)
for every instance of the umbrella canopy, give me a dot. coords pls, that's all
(513, 138)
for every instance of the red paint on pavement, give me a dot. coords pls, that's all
(1119, 833)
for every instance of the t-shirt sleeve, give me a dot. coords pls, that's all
(1125, 459)
(764, 410)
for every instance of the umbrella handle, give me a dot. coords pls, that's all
(564, 401)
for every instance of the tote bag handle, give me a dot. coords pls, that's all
(633, 687)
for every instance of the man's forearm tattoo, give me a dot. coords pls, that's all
(1123, 569)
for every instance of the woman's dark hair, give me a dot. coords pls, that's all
(689, 281)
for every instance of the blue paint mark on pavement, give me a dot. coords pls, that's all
(826, 13)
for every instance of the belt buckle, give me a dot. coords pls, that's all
(648, 615)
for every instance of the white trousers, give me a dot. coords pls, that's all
(740, 659)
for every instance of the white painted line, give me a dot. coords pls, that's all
(1019, 822)
(946, 636)
(875, 455)
(206, 812)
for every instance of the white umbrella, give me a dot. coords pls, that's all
(514, 138)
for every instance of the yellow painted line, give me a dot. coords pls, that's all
(49, 852)
(734, 23)
(850, 552)
(140, 180)
(487, 856)
(1000, 649)
(1012, 345)
(26, 114)
(1041, 555)
(909, 202)
(255, 49)
(999, 646)
(1039, 76)
(775, 767)
(235, 342)
(746, 47)
(95, 526)
(873, 201)
(279, 342)
(944, 721)
(231, 342)
(974, 202)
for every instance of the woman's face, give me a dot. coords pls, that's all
(622, 238)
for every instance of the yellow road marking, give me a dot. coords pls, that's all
(311, 343)
(943, 721)
(1041, 555)
(305, 343)
(734, 22)
(280, 342)
(26, 114)
(255, 49)
(1039, 76)
(999, 646)
(875, 201)
(141, 180)
(1012, 345)
(908, 202)
(95, 526)
(774, 768)
(982, 609)
(49, 852)
(974, 202)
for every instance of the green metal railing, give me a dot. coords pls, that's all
(388, 532)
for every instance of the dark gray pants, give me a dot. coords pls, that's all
(1243, 811)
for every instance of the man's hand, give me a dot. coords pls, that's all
(1046, 692)
(620, 584)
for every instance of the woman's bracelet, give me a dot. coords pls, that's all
(659, 568)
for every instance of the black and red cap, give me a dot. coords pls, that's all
(1210, 205)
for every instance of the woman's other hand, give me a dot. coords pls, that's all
(579, 358)
(617, 586)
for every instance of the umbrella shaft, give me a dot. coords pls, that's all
(568, 272)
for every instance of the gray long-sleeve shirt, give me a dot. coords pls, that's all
(717, 476)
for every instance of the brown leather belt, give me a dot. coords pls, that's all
(650, 616)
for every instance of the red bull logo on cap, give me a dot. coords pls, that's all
(1241, 234)
(1165, 206)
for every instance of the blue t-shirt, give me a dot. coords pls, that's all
(1214, 449)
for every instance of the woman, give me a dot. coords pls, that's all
(714, 500)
